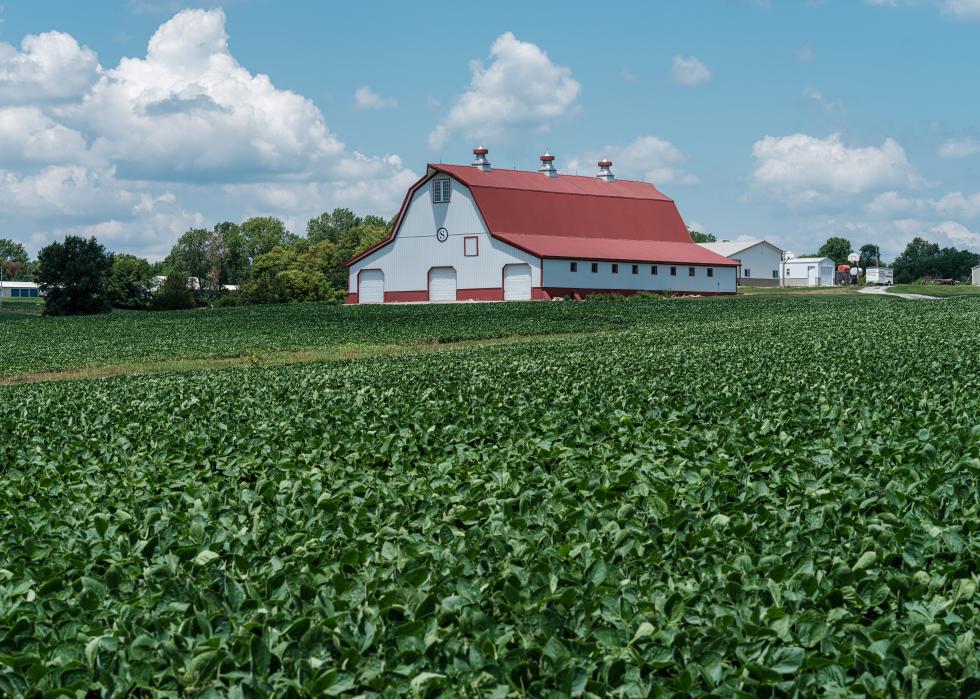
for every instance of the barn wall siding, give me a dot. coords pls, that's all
(406, 261)
(761, 261)
(558, 274)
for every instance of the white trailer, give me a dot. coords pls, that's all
(884, 276)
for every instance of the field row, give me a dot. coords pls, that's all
(773, 502)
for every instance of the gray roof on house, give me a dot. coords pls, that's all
(727, 248)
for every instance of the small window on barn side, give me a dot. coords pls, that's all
(471, 246)
(595, 267)
(775, 274)
(573, 266)
(711, 271)
(747, 273)
(690, 271)
(653, 269)
(673, 271)
(615, 268)
(440, 191)
(636, 269)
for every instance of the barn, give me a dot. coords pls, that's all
(477, 233)
(759, 260)
(975, 276)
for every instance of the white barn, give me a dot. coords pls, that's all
(474, 233)
(759, 260)
(808, 271)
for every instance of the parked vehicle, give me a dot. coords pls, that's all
(884, 276)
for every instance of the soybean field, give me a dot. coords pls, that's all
(747, 497)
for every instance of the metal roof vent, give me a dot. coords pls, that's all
(548, 165)
(480, 161)
(605, 173)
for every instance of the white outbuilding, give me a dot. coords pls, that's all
(9, 289)
(976, 276)
(808, 271)
(475, 233)
(759, 260)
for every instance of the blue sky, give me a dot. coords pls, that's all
(792, 121)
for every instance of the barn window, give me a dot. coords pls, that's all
(690, 271)
(440, 191)
(615, 268)
(711, 271)
(653, 269)
(636, 269)
(673, 271)
(747, 273)
(595, 267)
(573, 266)
(471, 246)
(775, 274)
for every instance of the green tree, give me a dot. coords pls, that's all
(836, 248)
(869, 256)
(128, 283)
(191, 255)
(263, 233)
(173, 294)
(73, 275)
(229, 253)
(331, 226)
(699, 237)
(922, 259)
(13, 259)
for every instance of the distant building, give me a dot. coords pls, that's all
(22, 290)
(808, 271)
(759, 260)
(976, 276)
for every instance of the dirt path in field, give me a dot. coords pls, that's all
(880, 291)
(331, 354)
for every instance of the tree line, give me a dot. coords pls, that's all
(260, 259)
(920, 261)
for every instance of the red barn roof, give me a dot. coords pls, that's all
(575, 217)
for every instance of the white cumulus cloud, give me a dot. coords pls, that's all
(518, 87)
(959, 205)
(182, 136)
(690, 71)
(48, 67)
(188, 109)
(366, 98)
(960, 148)
(962, 9)
(958, 234)
(802, 168)
(648, 158)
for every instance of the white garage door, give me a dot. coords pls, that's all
(442, 284)
(517, 283)
(371, 286)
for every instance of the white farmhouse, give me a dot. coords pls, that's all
(474, 233)
(808, 271)
(759, 260)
